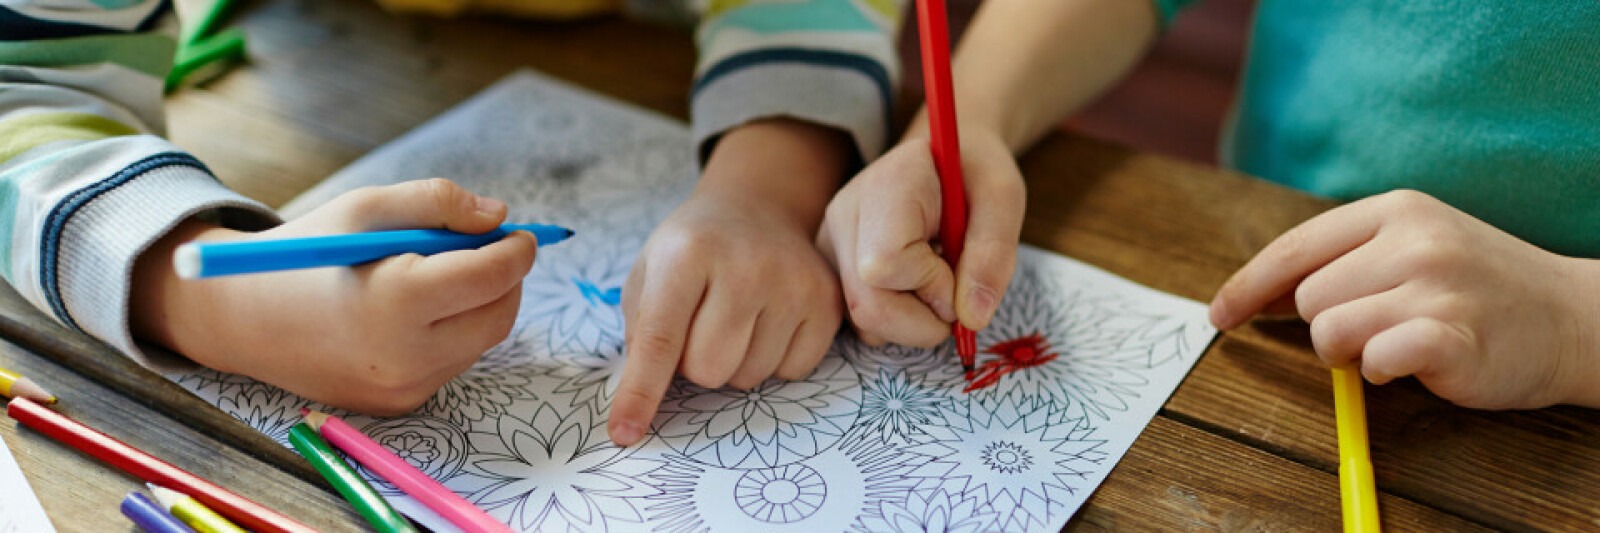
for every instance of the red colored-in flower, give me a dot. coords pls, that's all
(1015, 354)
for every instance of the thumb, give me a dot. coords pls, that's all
(997, 201)
(431, 203)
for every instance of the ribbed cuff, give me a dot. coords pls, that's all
(99, 231)
(832, 89)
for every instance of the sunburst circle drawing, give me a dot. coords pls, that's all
(780, 495)
(1006, 457)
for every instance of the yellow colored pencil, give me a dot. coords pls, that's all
(1356, 487)
(191, 512)
(13, 385)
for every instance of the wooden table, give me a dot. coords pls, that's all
(1247, 442)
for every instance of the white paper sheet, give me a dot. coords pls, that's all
(20, 511)
(878, 439)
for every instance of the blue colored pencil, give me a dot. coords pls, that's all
(208, 259)
(151, 517)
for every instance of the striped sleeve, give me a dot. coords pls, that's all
(829, 62)
(86, 180)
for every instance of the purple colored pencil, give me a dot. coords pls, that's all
(151, 517)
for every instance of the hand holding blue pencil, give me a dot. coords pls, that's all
(208, 259)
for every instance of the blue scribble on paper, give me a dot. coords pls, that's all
(595, 296)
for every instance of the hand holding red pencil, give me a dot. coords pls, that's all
(880, 234)
(880, 228)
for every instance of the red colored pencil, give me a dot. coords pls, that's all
(242, 511)
(946, 147)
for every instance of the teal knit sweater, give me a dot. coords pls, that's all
(1490, 105)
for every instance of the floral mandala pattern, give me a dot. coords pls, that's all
(896, 406)
(268, 409)
(589, 378)
(558, 295)
(1006, 458)
(1099, 354)
(934, 512)
(1031, 463)
(877, 439)
(774, 424)
(780, 495)
(434, 446)
(846, 489)
(551, 472)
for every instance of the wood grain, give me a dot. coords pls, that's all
(1184, 229)
(1247, 441)
(80, 493)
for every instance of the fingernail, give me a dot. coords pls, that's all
(626, 433)
(982, 302)
(943, 309)
(489, 206)
(1219, 315)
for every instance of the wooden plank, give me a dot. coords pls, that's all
(26, 327)
(1178, 477)
(1183, 229)
(80, 493)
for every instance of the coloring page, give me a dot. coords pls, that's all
(1073, 367)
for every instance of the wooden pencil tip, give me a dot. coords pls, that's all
(26, 388)
(165, 496)
(314, 418)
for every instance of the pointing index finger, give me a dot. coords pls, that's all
(655, 344)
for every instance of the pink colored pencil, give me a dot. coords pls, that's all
(389, 466)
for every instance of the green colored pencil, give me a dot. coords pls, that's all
(355, 490)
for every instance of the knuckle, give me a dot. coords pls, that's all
(875, 268)
(744, 382)
(1430, 254)
(444, 194)
(993, 262)
(1305, 299)
(1327, 332)
(364, 200)
(867, 317)
(1405, 201)
(704, 374)
(634, 396)
(1293, 245)
(654, 345)
(798, 366)
(685, 245)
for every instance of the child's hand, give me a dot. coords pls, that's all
(379, 338)
(730, 288)
(879, 229)
(1406, 285)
